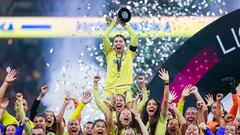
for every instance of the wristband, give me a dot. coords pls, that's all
(3, 108)
(166, 83)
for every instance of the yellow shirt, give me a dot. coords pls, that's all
(103, 107)
(161, 126)
(115, 131)
(9, 119)
(77, 111)
(125, 76)
(114, 78)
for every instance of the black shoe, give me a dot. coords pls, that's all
(231, 83)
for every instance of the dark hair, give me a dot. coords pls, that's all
(41, 115)
(5, 129)
(64, 121)
(89, 122)
(168, 123)
(53, 128)
(220, 105)
(134, 124)
(154, 120)
(36, 128)
(124, 99)
(224, 111)
(15, 100)
(99, 120)
(120, 35)
(172, 112)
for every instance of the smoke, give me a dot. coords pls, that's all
(71, 62)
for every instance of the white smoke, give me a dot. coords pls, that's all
(69, 64)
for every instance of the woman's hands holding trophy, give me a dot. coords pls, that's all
(123, 16)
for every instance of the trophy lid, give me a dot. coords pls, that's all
(124, 14)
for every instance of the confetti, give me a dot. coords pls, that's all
(151, 52)
(8, 69)
(51, 50)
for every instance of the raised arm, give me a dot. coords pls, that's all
(238, 92)
(185, 94)
(21, 126)
(172, 96)
(209, 100)
(204, 109)
(11, 76)
(143, 128)
(106, 42)
(3, 108)
(202, 112)
(163, 74)
(234, 109)
(133, 35)
(110, 124)
(205, 129)
(109, 117)
(19, 97)
(96, 95)
(223, 123)
(180, 117)
(86, 98)
(219, 114)
(60, 127)
(144, 94)
(195, 92)
(76, 103)
(36, 102)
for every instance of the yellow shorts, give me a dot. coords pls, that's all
(127, 93)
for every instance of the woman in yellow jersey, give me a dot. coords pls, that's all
(120, 101)
(153, 117)
(119, 61)
(127, 122)
(51, 121)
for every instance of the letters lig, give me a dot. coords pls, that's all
(226, 51)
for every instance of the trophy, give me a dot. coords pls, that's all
(230, 82)
(123, 16)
